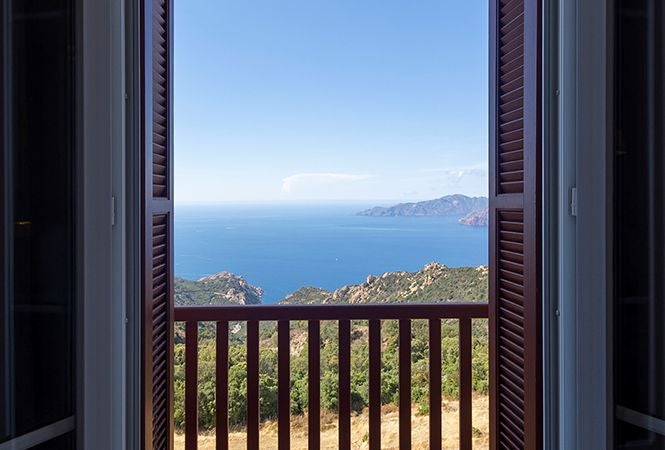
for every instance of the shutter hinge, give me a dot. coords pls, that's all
(113, 211)
(573, 202)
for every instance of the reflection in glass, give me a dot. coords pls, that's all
(37, 242)
(639, 225)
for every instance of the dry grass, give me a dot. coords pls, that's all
(359, 427)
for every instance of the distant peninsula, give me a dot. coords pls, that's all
(456, 205)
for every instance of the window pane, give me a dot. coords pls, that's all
(64, 442)
(639, 221)
(38, 217)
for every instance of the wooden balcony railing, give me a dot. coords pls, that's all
(314, 314)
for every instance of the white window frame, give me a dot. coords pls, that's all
(103, 268)
(578, 310)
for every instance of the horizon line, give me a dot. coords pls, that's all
(315, 201)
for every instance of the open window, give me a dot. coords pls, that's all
(514, 224)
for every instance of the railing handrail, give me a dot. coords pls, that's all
(355, 311)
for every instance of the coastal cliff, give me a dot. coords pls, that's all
(476, 218)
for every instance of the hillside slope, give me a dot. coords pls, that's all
(434, 283)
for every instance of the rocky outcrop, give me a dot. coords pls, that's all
(223, 288)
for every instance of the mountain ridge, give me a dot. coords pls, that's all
(433, 283)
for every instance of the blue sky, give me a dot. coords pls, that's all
(321, 100)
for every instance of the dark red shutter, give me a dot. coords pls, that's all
(157, 223)
(515, 225)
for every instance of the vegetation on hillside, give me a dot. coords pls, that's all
(435, 283)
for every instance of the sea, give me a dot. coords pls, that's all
(282, 248)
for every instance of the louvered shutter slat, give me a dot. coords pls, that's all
(157, 225)
(515, 378)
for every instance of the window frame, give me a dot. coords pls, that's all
(575, 130)
(582, 263)
(102, 321)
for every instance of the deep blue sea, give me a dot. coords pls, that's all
(283, 248)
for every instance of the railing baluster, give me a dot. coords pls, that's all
(191, 385)
(375, 384)
(435, 384)
(344, 396)
(314, 385)
(252, 385)
(465, 362)
(405, 384)
(222, 386)
(344, 314)
(284, 384)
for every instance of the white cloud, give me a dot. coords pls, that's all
(457, 176)
(304, 181)
(469, 180)
(475, 169)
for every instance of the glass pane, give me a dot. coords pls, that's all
(37, 322)
(639, 221)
